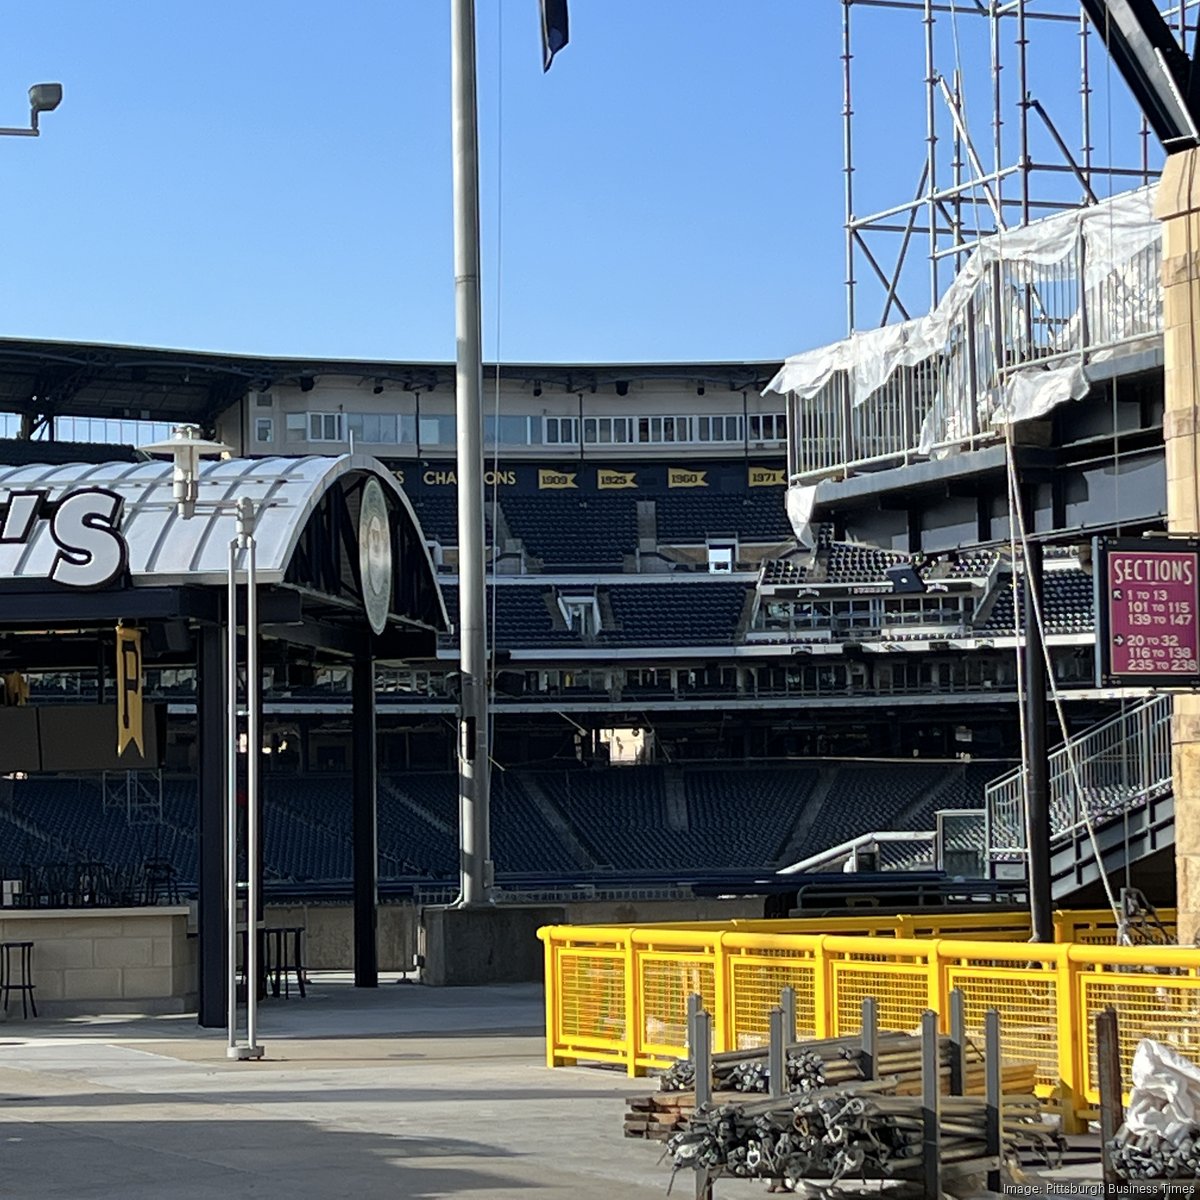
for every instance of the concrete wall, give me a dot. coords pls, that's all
(1178, 207)
(329, 941)
(115, 960)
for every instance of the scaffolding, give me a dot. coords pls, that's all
(984, 167)
(138, 794)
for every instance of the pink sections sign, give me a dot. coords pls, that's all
(1153, 602)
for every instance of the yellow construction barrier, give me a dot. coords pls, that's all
(617, 994)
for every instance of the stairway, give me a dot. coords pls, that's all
(1116, 777)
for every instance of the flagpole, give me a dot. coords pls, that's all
(473, 781)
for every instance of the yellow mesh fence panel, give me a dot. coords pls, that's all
(755, 986)
(591, 997)
(901, 989)
(1027, 1000)
(666, 981)
(1163, 1007)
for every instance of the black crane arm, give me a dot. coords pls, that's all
(1164, 81)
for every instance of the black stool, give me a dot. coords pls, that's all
(286, 957)
(25, 986)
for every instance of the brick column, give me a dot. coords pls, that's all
(1178, 207)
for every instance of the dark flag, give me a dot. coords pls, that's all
(554, 30)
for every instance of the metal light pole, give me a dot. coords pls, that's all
(475, 868)
(244, 542)
(186, 446)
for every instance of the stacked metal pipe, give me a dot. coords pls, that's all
(1150, 1156)
(854, 1131)
(815, 1064)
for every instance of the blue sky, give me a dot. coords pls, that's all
(273, 178)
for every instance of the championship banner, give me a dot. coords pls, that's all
(615, 480)
(680, 477)
(555, 480)
(130, 728)
(767, 477)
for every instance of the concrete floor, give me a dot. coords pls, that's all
(402, 1092)
(399, 1092)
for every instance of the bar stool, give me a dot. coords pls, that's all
(287, 956)
(25, 986)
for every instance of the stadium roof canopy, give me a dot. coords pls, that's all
(91, 543)
(85, 379)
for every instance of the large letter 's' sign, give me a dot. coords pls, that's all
(85, 527)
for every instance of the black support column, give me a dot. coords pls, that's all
(210, 741)
(1037, 833)
(366, 856)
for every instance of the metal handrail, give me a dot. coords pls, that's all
(1120, 763)
(1069, 293)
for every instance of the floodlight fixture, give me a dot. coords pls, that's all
(43, 97)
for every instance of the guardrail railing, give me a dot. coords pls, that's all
(1029, 311)
(1120, 764)
(619, 995)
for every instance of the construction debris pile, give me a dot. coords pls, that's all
(1160, 1138)
(854, 1131)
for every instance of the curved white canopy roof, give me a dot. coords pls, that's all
(166, 549)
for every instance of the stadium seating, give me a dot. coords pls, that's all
(574, 535)
(785, 570)
(1068, 604)
(624, 818)
(859, 564)
(524, 616)
(438, 515)
(756, 515)
(675, 612)
(865, 798)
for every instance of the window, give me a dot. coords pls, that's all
(264, 430)
(605, 431)
(438, 430)
(664, 430)
(326, 427)
(719, 429)
(297, 427)
(562, 431)
(264, 400)
(720, 559)
(514, 431)
(373, 429)
(768, 427)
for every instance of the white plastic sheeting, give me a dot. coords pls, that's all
(1009, 341)
(1165, 1099)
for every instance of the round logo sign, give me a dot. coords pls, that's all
(375, 555)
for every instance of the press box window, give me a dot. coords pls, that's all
(373, 429)
(297, 427)
(264, 430)
(326, 427)
(768, 427)
(562, 431)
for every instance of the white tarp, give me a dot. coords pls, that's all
(1108, 238)
(1165, 1099)
(799, 504)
